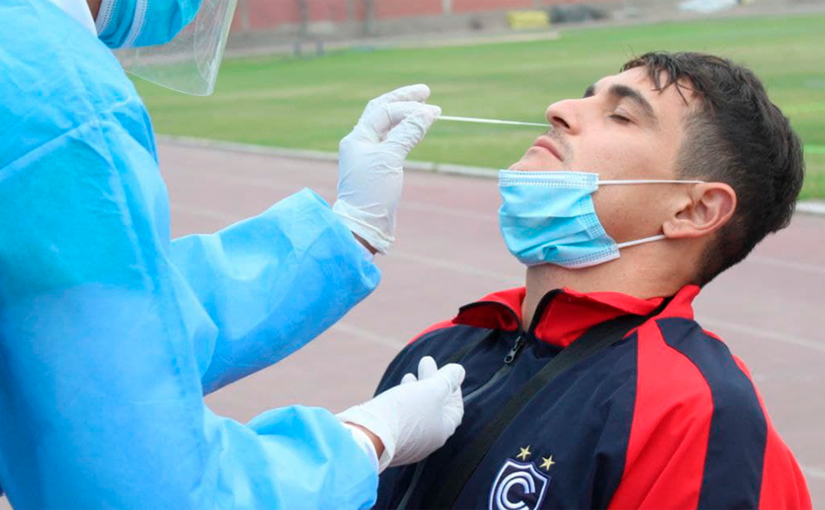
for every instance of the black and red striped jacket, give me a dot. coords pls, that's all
(665, 418)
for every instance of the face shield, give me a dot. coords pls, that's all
(189, 63)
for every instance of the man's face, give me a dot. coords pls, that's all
(621, 129)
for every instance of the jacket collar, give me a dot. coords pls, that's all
(565, 314)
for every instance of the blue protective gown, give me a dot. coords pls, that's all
(110, 333)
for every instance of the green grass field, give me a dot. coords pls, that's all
(312, 103)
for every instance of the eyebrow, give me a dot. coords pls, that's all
(625, 92)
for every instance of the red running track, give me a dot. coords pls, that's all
(449, 252)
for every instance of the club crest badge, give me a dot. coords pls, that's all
(518, 487)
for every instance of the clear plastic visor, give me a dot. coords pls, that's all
(189, 63)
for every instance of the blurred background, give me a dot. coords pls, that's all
(298, 74)
(300, 71)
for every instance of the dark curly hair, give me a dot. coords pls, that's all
(735, 135)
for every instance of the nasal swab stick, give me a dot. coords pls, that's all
(492, 121)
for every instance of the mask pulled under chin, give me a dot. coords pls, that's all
(550, 218)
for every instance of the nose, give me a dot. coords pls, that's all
(563, 117)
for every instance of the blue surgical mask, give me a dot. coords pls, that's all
(134, 23)
(549, 218)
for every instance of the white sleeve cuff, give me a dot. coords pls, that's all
(354, 220)
(364, 442)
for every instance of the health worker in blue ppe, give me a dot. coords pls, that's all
(111, 332)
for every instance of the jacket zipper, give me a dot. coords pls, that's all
(500, 373)
(509, 359)
(518, 345)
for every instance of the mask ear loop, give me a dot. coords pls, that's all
(644, 181)
(647, 181)
(641, 241)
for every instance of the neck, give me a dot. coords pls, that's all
(94, 7)
(642, 271)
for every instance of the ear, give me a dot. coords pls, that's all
(705, 208)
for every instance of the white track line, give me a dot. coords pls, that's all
(266, 183)
(786, 264)
(375, 338)
(810, 472)
(762, 333)
(455, 267)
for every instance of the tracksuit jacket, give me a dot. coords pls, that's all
(666, 417)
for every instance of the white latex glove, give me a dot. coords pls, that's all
(416, 417)
(371, 158)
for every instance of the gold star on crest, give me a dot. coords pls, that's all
(524, 453)
(548, 462)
